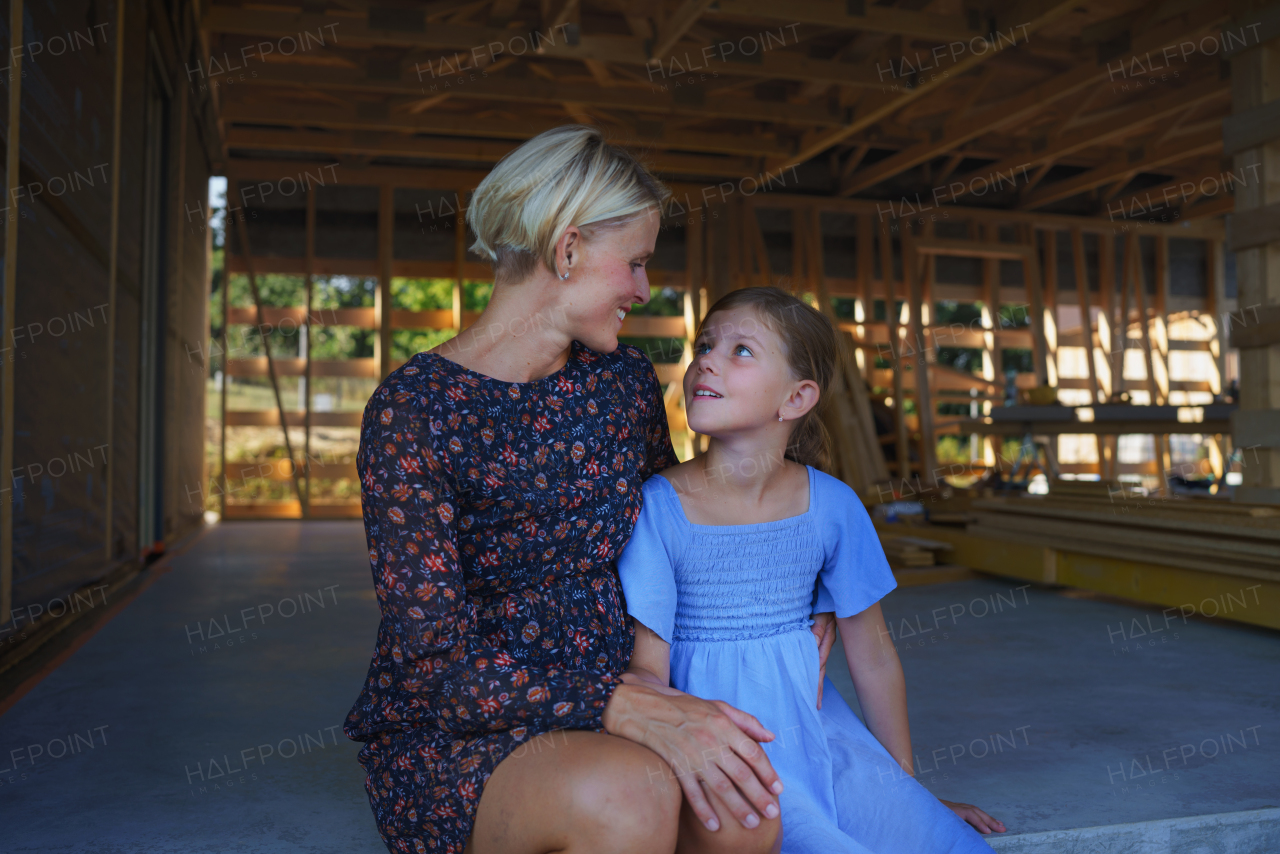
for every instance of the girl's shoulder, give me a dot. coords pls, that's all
(837, 507)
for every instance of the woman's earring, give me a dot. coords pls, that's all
(565, 276)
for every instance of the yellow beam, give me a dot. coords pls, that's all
(1185, 591)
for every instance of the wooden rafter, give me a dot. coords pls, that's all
(692, 102)
(1054, 147)
(874, 19)
(1144, 158)
(629, 50)
(674, 28)
(438, 124)
(1030, 101)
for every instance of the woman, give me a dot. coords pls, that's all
(501, 476)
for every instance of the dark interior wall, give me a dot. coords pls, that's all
(61, 342)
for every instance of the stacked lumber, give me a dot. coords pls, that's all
(857, 458)
(906, 552)
(1192, 533)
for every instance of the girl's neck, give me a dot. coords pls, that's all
(736, 483)
(744, 467)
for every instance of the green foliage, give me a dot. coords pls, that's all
(961, 358)
(1013, 316)
(1016, 359)
(663, 302)
(946, 312)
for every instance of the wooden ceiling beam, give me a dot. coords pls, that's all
(691, 101)
(480, 151)
(645, 134)
(1138, 116)
(1032, 100)
(1142, 159)
(690, 56)
(674, 27)
(836, 14)
(326, 173)
(814, 143)
(1179, 192)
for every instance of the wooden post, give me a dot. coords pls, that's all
(382, 297)
(799, 255)
(460, 264)
(113, 261)
(902, 446)
(920, 362)
(226, 374)
(245, 252)
(991, 323)
(692, 315)
(1144, 321)
(1160, 351)
(1106, 310)
(12, 181)
(1216, 270)
(1255, 80)
(866, 460)
(1126, 283)
(866, 272)
(1086, 312)
(309, 273)
(1035, 297)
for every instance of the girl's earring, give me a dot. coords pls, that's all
(779, 417)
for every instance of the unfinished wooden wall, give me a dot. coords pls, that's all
(63, 386)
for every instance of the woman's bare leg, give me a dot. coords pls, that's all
(582, 792)
(731, 838)
(578, 792)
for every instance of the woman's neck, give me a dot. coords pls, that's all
(513, 340)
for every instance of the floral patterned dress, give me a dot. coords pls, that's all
(494, 513)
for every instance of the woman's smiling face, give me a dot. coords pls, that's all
(739, 378)
(606, 278)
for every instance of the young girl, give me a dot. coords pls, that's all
(733, 551)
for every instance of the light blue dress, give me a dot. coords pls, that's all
(734, 602)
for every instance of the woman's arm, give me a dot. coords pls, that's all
(877, 677)
(429, 645)
(650, 660)
(824, 632)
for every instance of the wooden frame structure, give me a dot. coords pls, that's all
(1039, 125)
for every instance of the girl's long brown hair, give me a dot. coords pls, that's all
(812, 352)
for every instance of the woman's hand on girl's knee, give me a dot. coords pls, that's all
(706, 743)
(981, 822)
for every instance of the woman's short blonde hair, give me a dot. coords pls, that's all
(565, 176)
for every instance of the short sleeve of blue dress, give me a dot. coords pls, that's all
(647, 564)
(855, 574)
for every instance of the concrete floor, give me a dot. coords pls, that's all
(1028, 707)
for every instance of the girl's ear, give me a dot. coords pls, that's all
(803, 397)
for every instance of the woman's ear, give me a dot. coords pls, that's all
(568, 248)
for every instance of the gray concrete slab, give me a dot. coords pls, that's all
(1054, 712)
(188, 735)
(165, 706)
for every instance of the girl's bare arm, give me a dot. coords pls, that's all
(882, 693)
(877, 677)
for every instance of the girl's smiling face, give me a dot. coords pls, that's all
(740, 379)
